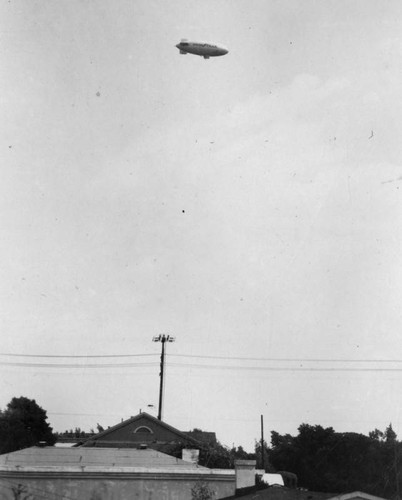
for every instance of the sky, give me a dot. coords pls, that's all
(248, 205)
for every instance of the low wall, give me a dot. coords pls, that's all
(104, 485)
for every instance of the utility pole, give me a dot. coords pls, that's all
(262, 443)
(163, 339)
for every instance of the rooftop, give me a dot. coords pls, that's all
(282, 493)
(113, 459)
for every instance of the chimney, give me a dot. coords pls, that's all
(190, 455)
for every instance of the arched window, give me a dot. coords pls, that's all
(143, 430)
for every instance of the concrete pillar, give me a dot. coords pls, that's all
(245, 473)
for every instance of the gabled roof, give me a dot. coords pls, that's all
(356, 494)
(139, 417)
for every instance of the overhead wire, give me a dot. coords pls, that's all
(202, 356)
(203, 366)
(76, 365)
(19, 355)
(313, 360)
(289, 368)
(288, 364)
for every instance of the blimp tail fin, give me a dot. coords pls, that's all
(182, 52)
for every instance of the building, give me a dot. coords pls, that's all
(96, 473)
(283, 493)
(144, 429)
(356, 495)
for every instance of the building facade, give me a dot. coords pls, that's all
(85, 473)
(146, 430)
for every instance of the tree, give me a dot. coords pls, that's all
(201, 491)
(390, 434)
(328, 461)
(215, 456)
(376, 435)
(218, 456)
(23, 424)
(99, 428)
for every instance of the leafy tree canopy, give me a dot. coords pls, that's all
(218, 456)
(329, 461)
(23, 424)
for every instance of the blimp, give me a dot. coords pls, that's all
(204, 49)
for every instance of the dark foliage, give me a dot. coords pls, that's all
(328, 461)
(202, 491)
(74, 434)
(218, 456)
(214, 456)
(23, 424)
(262, 457)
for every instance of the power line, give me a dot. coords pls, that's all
(76, 365)
(74, 356)
(289, 368)
(199, 356)
(64, 414)
(296, 360)
(203, 366)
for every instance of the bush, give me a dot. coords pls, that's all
(201, 491)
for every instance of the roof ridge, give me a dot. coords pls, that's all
(130, 420)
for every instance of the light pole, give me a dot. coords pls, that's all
(163, 339)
